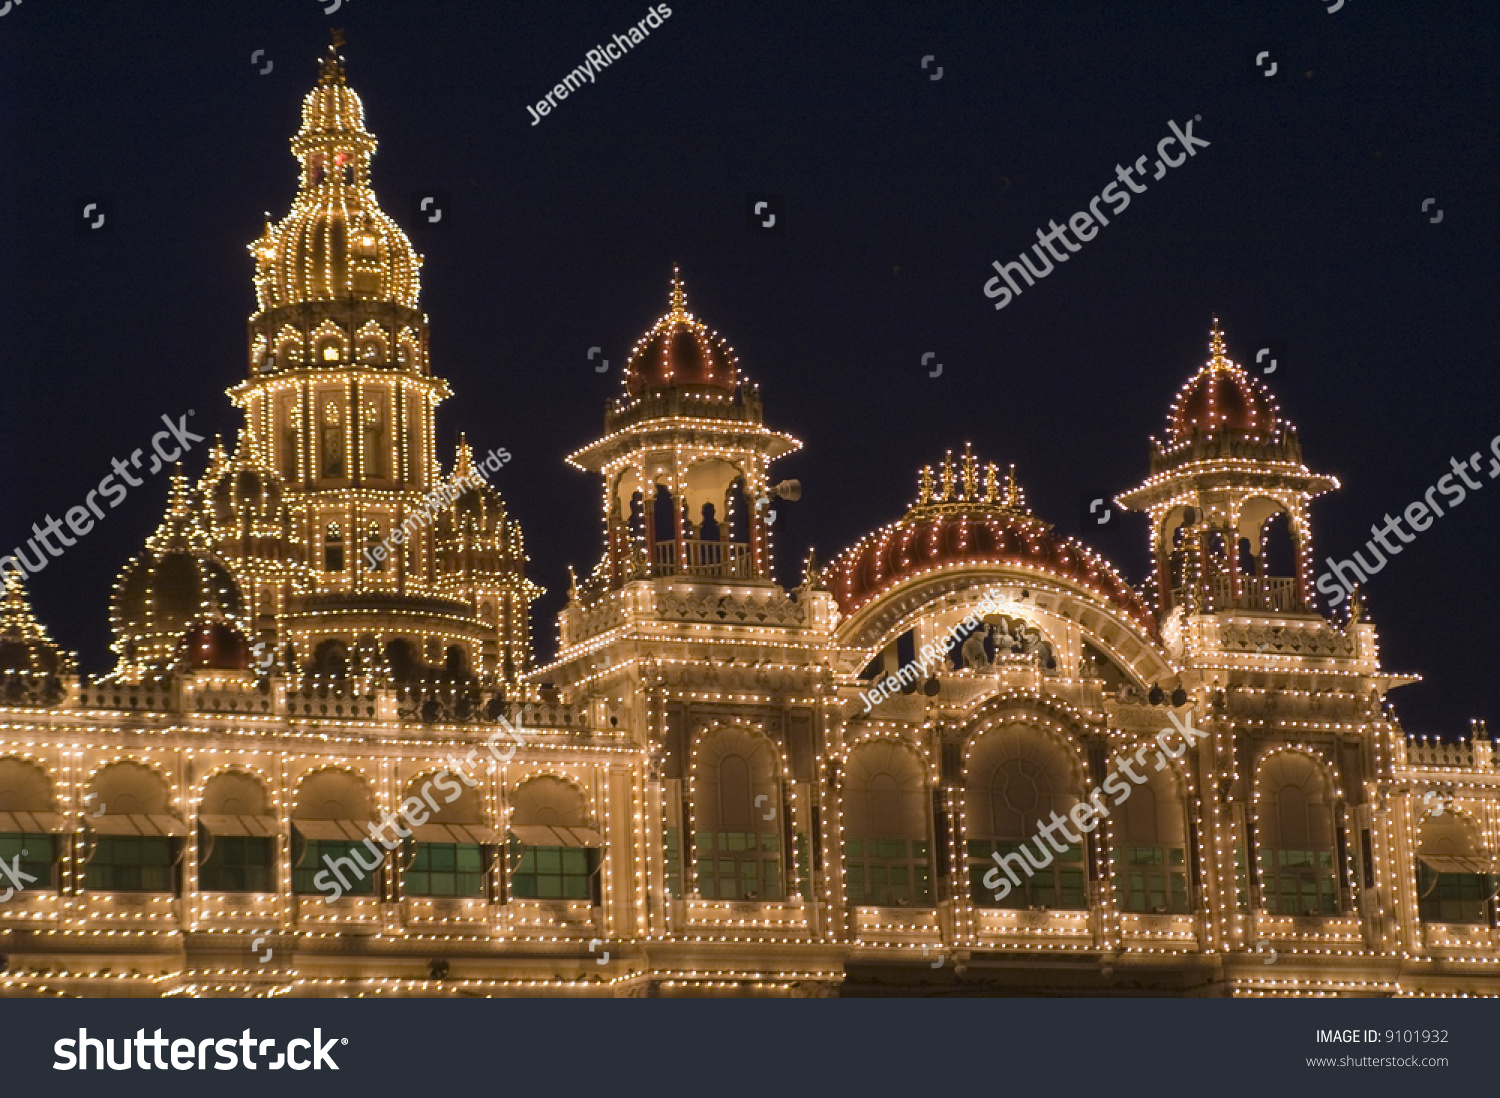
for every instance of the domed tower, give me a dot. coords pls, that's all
(328, 511)
(1228, 498)
(481, 558)
(33, 667)
(684, 459)
(175, 604)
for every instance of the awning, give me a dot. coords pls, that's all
(136, 823)
(1449, 864)
(34, 822)
(260, 827)
(474, 834)
(352, 830)
(537, 835)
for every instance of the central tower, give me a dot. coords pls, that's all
(352, 553)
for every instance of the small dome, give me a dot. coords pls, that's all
(1219, 399)
(214, 646)
(680, 350)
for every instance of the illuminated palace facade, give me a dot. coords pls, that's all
(702, 801)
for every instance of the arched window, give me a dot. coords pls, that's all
(236, 836)
(1456, 883)
(1150, 846)
(737, 816)
(331, 658)
(376, 561)
(1294, 815)
(331, 437)
(332, 848)
(376, 435)
(554, 854)
(333, 548)
(28, 822)
(1018, 777)
(289, 423)
(451, 853)
(887, 845)
(139, 841)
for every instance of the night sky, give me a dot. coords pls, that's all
(1301, 224)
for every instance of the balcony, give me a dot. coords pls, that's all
(709, 559)
(1277, 594)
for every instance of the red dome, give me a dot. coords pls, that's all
(1219, 398)
(963, 523)
(215, 646)
(680, 350)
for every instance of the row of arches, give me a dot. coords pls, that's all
(329, 342)
(136, 842)
(1017, 776)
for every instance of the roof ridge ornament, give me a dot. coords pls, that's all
(962, 487)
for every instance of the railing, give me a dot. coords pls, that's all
(718, 559)
(1275, 593)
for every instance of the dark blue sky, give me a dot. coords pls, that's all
(1301, 223)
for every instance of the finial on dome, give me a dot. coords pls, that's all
(463, 457)
(924, 486)
(1216, 346)
(179, 502)
(947, 477)
(971, 473)
(332, 69)
(678, 297)
(1014, 497)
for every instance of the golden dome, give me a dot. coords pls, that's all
(336, 243)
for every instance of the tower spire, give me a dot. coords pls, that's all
(1216, 348)
(678, 297)
(332, 69)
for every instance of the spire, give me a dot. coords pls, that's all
(25, 645)
(179, 528)
(971, 475)
(1219, 354)
(332, 68)
(678, 296)
(463, 457)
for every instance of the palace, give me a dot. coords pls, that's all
(719, 786)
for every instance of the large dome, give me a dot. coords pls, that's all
(680, 350)
(336, 243)
(959, 519)
(1221, 399)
